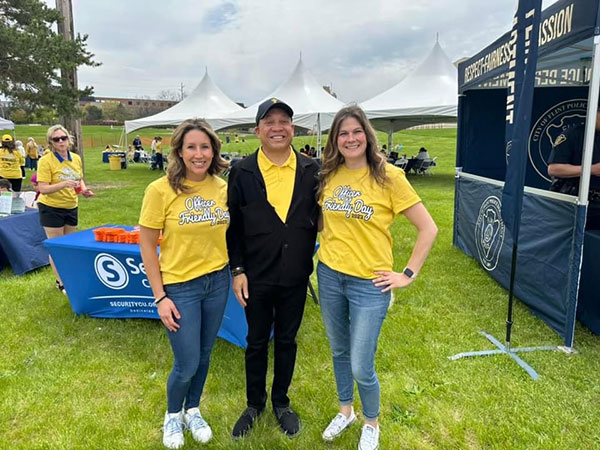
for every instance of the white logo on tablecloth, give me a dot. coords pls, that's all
(489, 232)
(110, 271)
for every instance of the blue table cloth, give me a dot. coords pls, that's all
(21, 242)
(108, 280)
(106, 155)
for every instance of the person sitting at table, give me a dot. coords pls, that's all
(11, 161)
(190, 280)
(60, 179)
(5, 185)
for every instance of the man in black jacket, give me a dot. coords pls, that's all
(271, 240)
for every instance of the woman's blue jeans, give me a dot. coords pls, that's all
(201, 304)
(353, 311)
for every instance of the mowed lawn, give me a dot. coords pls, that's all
(72, 382)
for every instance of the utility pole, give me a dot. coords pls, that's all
(65, 28)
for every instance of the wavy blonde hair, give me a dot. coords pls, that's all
(332, 158)
(176, 167)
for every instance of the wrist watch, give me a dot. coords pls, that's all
(237, 271)
(409, 273)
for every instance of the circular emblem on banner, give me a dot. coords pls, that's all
(110, 271)
(547, 131)
(489, 232)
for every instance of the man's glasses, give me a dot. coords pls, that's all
(60, 138)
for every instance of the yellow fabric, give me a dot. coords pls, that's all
(357, 215)
(193, 226)
(159, 147)
(10, 163)
(53, 171)
(279, 182)
(32, 151)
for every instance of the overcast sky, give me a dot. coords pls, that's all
(360, 47)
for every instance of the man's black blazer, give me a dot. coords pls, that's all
(272, 252)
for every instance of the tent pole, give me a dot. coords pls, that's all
(319, 135)
(390, 138)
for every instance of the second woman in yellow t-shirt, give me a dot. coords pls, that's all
(190, 280)
(360, 194)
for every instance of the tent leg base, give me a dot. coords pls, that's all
(511, 352)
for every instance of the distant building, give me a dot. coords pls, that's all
(136, 103)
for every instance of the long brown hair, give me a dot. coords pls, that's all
(176, 167)
(333, 158)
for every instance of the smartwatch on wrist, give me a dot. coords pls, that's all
(409, 273)
(237, 271)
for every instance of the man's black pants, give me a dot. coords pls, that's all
(284, 307)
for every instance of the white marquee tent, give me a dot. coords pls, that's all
(427, 95)
(314, 107)
(6, 124)
(206, 101)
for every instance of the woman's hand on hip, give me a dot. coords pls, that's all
(168, 313)
(391, 280)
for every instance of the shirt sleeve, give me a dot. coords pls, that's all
(153, 211)
(44, 172)
(403, 194)
(562, 151)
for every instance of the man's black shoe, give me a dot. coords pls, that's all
(245, 422)
(288, 421)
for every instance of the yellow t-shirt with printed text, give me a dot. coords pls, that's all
(193, 226)
(52, 170)
(10, 163)
(279, 182)
(357, 215)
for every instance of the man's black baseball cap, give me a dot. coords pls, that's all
(269, 104)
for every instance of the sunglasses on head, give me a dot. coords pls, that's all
(60, 138)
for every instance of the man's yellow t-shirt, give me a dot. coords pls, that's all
(279, 182)
(357, 215)
(193, 226)
(53, 169)
(10, 163)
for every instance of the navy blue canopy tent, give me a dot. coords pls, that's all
(552, 224)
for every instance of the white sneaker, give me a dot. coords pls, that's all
(197, 425)
(369, 439)
(173, 430)
(337, 425)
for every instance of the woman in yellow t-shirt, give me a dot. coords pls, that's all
(32, 153)
(60, 180)
(360, 194)
(190, 280)
(11, 161)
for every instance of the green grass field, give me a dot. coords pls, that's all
(70, 382)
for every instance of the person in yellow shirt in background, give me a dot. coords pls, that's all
(11, 161)
(159, 153)
(32, 154)
(360, 194)
(60, 180)
(190, 280)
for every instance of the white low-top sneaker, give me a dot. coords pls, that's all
(337, 425)
(173, 430)
(369, 439)
(197, 425)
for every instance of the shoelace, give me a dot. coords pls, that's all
(196, 421)
(174, 425)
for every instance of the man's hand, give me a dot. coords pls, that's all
(240, 288)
